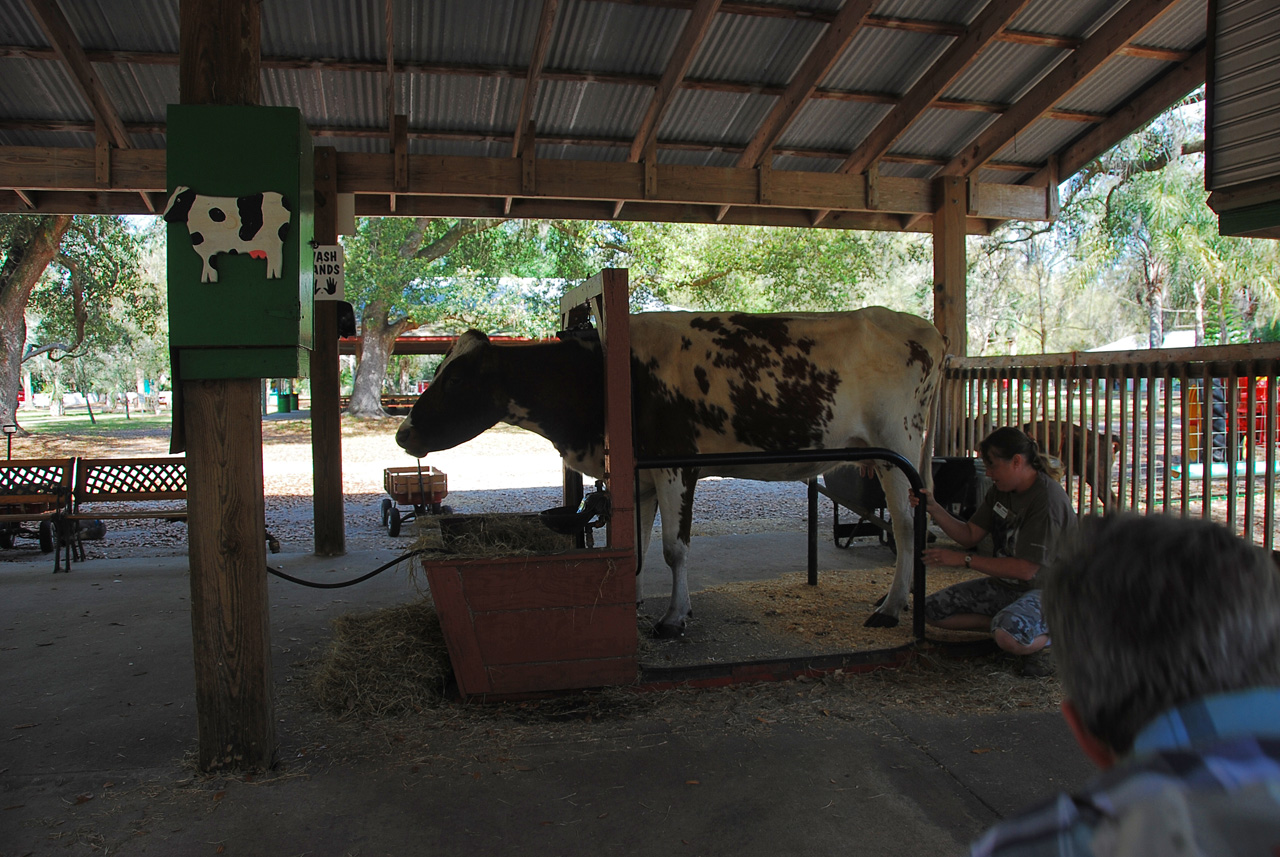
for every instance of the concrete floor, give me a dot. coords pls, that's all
(98, 725)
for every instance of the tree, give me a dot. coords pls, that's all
(773, 268)
(403, 273)
(28, 245)
(79, 277)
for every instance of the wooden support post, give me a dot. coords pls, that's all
(326, 417)
(235, 711)
(949, 299)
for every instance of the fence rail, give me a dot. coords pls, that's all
(1192, 431)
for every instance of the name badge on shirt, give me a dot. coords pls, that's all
(999, 509)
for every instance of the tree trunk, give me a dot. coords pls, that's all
(1199, 289)
(32, 249)
(379, 338)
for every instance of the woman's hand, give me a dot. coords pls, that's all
(944, 556)
(930, 505)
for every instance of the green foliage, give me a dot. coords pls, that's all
(455, 274)
(762, 269)
(97, 320)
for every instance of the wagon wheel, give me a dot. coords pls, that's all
(6, 538)
(386, 510)
(436, 507)
(394, 527)
(46, 537)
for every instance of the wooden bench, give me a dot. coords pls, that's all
(129, 489)
(136, 489)
(393, 403)
(35, 491)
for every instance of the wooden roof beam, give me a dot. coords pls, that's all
(58, 30)
(821, 57)
(1134, 113)
(541, 43)
(691, 38)
(989, 23)
(522, 139)
(1121, 29)
(940, 75)
(644, 144)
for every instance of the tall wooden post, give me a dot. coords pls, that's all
(326, 419)
(949, 263)
(219, 64)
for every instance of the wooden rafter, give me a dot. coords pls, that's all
(1121, 29)
(691, 37)
(1134, 113)
(522, 144)
(333, 64)
(533, 74)
(893, 22)
(989, 23)
(67, 46)
(821, 57)
(961, 54)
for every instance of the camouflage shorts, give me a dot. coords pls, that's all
(1017, 611)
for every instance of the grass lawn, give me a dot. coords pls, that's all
(78, 423)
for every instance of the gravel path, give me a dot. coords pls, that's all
(503, 470)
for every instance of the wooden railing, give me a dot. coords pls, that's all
(1189, 431)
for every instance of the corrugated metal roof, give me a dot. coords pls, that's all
(467, 60)
(1102, 92)
(887, 61)
(1004, 72)
(765, 51)
(1072, 18)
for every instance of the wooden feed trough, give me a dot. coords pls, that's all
(517, 625)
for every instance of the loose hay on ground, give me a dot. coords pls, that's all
(394, 662)
(383, 663)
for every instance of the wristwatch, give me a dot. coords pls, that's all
(968, 560)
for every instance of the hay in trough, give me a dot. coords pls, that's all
(488, 536)
(385, 663)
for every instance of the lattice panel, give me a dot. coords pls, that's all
(122, 480)
(28, 479)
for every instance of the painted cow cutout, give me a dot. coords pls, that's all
(709, 383)
(255, 224)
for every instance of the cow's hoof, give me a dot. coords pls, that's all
(668, 632)
(881, 620)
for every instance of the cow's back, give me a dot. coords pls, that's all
(719, 382)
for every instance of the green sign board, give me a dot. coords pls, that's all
(240, 219)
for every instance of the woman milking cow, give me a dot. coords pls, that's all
(1030, 519)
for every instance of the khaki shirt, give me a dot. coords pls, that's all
(1033, 525)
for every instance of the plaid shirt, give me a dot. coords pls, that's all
(1203, 778)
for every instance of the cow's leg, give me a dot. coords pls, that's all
(675, 500)
(647, 507)
(897, 493)
(208, 274)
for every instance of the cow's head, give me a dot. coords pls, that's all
(179, 206)
(465, 398)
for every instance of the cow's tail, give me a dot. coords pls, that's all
(930, 436)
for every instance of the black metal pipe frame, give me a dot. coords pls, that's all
(804, 456)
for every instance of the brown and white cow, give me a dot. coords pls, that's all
(709, 383)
